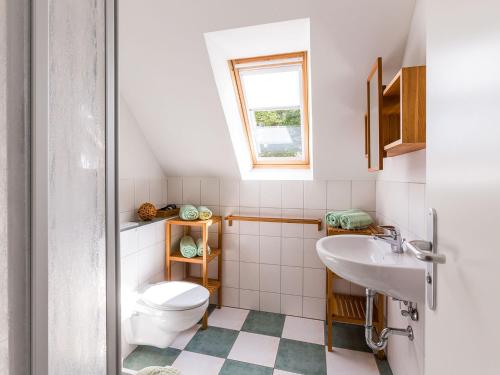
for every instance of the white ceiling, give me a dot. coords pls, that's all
(167, 80)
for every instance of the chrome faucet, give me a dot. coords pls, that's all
(392, 236)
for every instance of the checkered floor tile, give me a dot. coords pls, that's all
(241, 342)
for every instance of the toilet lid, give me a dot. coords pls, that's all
(175, 295)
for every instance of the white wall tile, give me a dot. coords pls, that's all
(399, 203)
(178, 271)
(155, 192)
(314, 282)
(417, 211)
(231, 274)
(249, 193)
(147, 265)
(159, 229)
(141, 192)
(291, 280)
(270, 278)
(129, 277)
(226, 211)
(210, 194)
(128, 216)
(249, 248)
(357, 290)
(313, 308)
(128, 242)
(292, 230)
(363, 195)
(338, 195)
(292, 194)
(230, 297)
(311, 230)
(231, 247)
(126, 195)
(146, 236)
(270, 194)
(270, 250)
(249, 227)
(270, 229)
(249, 299)
(229, 193)
(249, 276)
(191, 191)
(311, 258)
(342, 286)
(270, 302)
(174, 190)
(292, 252)
(291, 305)
(315, 194)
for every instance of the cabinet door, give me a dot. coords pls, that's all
(374, 117)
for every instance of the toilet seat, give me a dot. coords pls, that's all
(174, 296)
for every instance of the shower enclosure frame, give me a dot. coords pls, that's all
(40, 99)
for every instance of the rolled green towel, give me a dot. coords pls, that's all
(199, 245)
(332, 218)
(188, 247)
(204, 212)
(157, 370)
(188, 212)
(355, 220)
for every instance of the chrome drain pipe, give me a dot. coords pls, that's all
(384, 335)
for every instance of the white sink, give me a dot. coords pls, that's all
(371, 263)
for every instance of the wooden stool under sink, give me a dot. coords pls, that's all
(350, 309)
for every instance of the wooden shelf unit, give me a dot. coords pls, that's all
(171, 255)
(404, 112)
(350, 309)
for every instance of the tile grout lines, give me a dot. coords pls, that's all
(242, 341)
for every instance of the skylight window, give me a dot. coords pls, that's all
(273, 100)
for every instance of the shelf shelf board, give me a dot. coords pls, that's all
(394, 87)
(176, 256)
(195, 223)
(213, 285)
(350, 309)
(398, 147)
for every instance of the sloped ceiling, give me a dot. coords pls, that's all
(167, 81)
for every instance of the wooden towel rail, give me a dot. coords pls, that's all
(232, 218)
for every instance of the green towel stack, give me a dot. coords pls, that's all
(204, 213)
(188, 212)
(332, 218)
(348, 219)
(188, 247)
(199, 245)
(355, 220)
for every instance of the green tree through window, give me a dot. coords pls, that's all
(278, 117)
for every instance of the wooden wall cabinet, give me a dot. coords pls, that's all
(403, 125)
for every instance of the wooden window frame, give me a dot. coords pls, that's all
(267, 63)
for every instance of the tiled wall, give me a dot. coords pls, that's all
(134, 192)
(403, 204)
(272, 266)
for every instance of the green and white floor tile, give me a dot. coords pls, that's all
(243, 342)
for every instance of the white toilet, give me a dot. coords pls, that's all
(164, 310)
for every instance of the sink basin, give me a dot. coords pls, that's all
(371, 264)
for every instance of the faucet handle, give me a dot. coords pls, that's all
(391, 229)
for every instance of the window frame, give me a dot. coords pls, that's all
(267, 62)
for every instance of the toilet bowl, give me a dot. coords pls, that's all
(164, 310)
